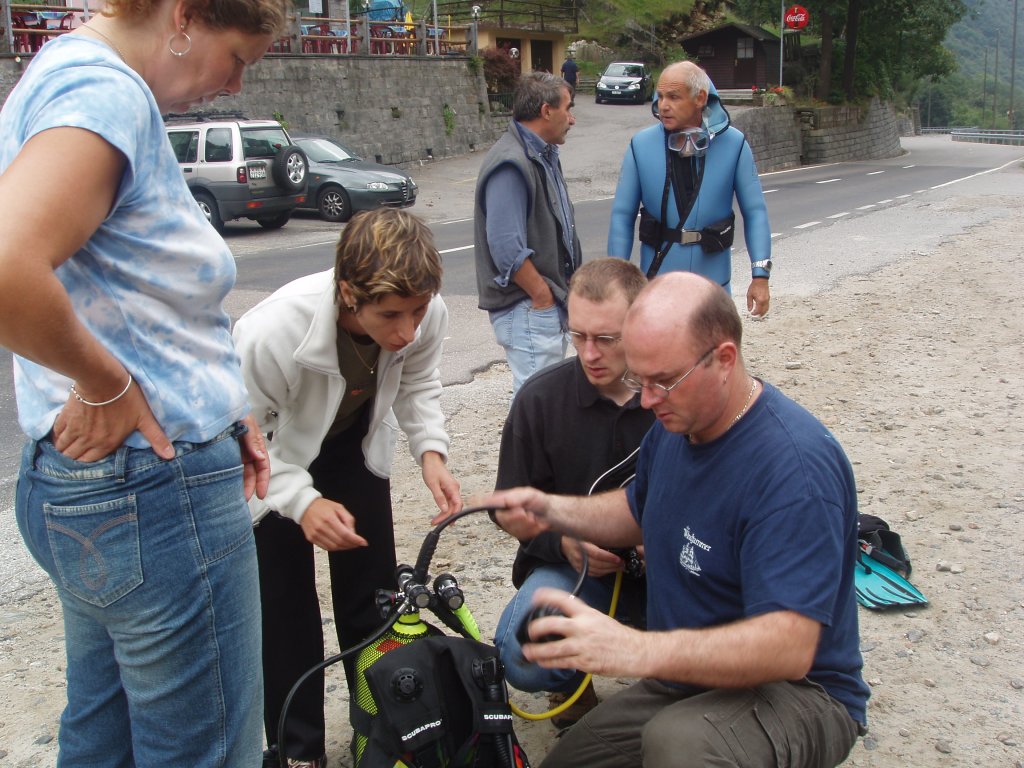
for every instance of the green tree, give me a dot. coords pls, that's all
(850, 54)
(901, 46)
(881, 47)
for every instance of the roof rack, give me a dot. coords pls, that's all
(202, 117)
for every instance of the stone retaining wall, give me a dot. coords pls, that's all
(11, 68)
(397, 110)
(836, 134)
(785, 137)
(774, 136)
(392, 109)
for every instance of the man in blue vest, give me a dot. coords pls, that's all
(682, 175)
(526, 247)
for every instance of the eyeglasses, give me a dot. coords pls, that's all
(603, 343)
(636, 385)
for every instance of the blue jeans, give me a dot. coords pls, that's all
(533, 339)
(521, 673)
(155, 567)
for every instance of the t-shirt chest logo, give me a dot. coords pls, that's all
(688, 554)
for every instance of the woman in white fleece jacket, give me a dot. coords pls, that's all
(335, 364)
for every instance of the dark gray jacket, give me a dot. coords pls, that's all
(544, 227)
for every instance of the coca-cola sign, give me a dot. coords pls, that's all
(796, 17)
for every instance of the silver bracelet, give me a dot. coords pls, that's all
(114, 399)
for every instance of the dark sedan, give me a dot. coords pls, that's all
(341, 183)
(624, 81)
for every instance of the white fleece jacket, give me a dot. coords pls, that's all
(288, 347)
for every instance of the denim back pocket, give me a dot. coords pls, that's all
(96, 548)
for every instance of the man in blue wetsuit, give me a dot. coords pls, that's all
(747, 509)
(687, 169)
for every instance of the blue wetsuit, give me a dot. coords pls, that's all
(728, 169)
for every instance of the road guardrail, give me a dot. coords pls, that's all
(1011, 138)
(950, 129)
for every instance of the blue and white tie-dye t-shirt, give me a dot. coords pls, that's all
(150, 282)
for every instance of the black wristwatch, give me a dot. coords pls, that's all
(765, 265)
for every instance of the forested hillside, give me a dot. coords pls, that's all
(979, 42)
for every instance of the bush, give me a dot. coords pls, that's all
(501, 71)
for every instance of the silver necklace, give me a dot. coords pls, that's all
(368, 367)
(108, 41)
(750, 394)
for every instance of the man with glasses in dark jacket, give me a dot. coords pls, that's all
(577, 402)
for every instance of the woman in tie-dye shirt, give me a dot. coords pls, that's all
(133, 482)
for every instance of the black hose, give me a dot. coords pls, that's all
(429, 545)
(503, 743)
(282, 758)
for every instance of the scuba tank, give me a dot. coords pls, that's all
(408, 628)
(422, 698)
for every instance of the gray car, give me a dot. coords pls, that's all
(624, 81)
(341, 182)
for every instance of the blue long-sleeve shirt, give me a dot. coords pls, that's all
(506, 191)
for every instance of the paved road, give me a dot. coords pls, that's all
(828, 222)
(800, 201)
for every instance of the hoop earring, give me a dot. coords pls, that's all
(188, 43)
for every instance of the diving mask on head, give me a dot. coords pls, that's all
(690, 142)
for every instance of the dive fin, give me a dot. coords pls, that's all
(878, 586)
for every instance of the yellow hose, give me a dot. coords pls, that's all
(586, 679)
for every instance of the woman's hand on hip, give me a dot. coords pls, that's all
(328, 525)
(444, 488)
(89, 432)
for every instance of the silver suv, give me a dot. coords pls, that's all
(238, 168)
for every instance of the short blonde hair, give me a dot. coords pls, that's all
(596, 279)
(387, 252)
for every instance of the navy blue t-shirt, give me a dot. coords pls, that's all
(569, 71)
(762, 519)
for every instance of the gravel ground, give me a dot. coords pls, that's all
(910, 350)
(919, 379)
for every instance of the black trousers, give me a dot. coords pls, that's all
(292, 630)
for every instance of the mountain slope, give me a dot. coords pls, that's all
(977, 32)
